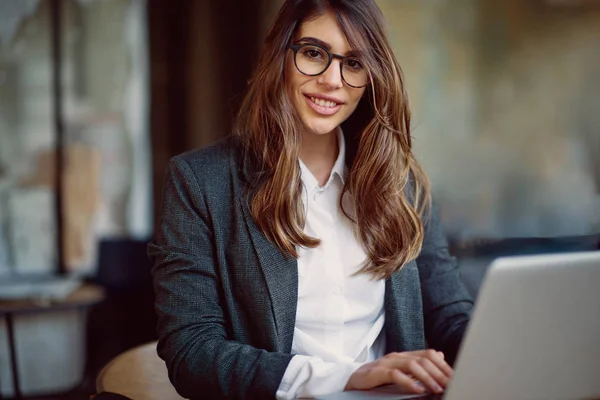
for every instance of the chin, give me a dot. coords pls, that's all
(320, 128)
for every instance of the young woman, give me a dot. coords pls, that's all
(302, 256)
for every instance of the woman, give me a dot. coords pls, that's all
(301, 256)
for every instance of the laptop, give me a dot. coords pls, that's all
(534, 334)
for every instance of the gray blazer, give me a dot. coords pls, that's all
(226, 296)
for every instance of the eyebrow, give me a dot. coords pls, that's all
(326, 45)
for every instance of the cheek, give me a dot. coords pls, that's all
(293, 79)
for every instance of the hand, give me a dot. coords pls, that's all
(406, 370)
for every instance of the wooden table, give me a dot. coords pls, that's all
(84, 297)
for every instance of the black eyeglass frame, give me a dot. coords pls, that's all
(296, 46)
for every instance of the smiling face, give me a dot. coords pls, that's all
(324, 101)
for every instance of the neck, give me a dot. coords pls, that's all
(319, 153)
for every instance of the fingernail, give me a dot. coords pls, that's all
(438, 389)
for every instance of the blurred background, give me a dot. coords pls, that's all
(97, 95)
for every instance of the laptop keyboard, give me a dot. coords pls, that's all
(431, 397)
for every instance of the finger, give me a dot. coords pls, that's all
(377, 376)
(397, 360)
(435, 372)
(405, 382)
(416, 369)
(437, 357)
(443, 365)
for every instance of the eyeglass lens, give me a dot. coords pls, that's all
(314, 60)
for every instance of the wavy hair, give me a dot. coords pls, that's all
(388, 186)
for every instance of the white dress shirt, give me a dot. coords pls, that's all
(339, 317)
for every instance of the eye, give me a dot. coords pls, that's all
(354, 64)
(313, 53)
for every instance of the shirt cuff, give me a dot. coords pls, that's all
(308, 376)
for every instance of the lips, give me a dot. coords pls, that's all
(323, 105)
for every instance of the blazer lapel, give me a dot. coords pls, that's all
(280, 272)
(281, 276)
(404, 310)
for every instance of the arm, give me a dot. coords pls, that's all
(446, 303)
(202, 362)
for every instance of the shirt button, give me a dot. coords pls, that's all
(337, 291)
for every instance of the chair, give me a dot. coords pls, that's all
(138, 374)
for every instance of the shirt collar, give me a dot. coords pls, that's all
(339, 168)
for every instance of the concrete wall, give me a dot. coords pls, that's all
(105, 89)
(506, 106)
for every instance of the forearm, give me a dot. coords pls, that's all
(446, 303)
(447, 307)
(215, 368)
(448, 326)
(202, 361)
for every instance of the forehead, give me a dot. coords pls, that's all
(326, 28)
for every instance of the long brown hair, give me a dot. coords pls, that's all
(389, 188)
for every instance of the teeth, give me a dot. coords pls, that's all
(323, 103)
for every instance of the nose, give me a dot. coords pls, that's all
(332, 77)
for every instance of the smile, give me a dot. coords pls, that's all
(323, 106)
(323, 103)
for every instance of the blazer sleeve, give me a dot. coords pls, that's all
(446, 303)
(201, 361)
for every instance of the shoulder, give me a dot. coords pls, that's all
(209, 166)
(216, 158)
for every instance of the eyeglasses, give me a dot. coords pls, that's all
(312, 59)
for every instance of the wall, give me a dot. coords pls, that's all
(105, 104)
(202, 54)
(506, 112)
